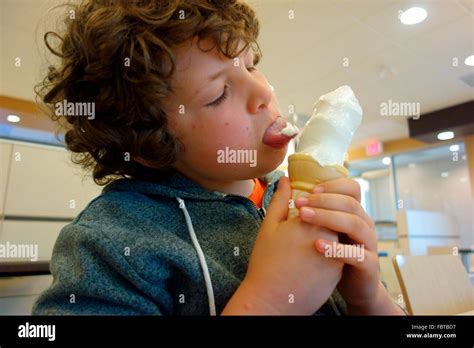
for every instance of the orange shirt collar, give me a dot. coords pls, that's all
(257, 194)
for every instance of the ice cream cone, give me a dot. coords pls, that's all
(319, 155)
(305, 173)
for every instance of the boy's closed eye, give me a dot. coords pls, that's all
(223, 96)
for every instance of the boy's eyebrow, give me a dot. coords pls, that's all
(216, 75)
(207, 80)
(211, 78)
(219, 73)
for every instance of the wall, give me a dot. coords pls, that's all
(423, 188)
(40, 192)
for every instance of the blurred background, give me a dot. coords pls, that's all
(411, 69)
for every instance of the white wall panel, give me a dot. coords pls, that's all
(17, 294)
(5, 155)
(39, 233)
(43, 182)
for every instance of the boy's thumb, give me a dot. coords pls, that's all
(278, 208)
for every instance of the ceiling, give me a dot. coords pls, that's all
(303, 57)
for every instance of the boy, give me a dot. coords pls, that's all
(181, 233)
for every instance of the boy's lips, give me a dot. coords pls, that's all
(273, 136)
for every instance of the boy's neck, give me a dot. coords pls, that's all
(240, 187)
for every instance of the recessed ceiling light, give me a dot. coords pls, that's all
(413, 15)
(386, 160)
(444, 174)
(13, 118)
(463, 179)
(454, 148)
(469, 60)
(445, 135)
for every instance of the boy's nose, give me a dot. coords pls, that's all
(260, 96)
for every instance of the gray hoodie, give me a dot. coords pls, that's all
(163, 247)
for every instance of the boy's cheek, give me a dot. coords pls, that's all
(237, 140)
(238, 136)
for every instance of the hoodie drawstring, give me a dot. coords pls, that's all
(202, 259)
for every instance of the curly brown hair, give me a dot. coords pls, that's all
(100, 39)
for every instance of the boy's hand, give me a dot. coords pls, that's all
(335, 205)
(285, 275)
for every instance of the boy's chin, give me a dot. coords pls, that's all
(262, 168)
(246, 171)
(272, 160)
(262, 163)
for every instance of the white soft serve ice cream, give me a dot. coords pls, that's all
(329, 131)
(290, 130)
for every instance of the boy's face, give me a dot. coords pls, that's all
(234, 110)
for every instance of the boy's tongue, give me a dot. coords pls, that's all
(273, 136)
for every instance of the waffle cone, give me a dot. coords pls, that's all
(305, 172)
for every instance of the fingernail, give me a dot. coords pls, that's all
(323, 245)
(318, 189)
(306, 213)
(302, 201)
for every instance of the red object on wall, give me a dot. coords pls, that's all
(374, 147)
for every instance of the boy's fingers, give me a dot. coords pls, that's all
(345, 186)
(334, 201)
(278, 209)
(351, 225)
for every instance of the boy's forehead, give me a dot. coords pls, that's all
(189, 55)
